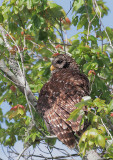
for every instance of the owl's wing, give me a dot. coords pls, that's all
(64, 89)
(57, 116)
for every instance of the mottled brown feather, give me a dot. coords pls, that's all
(58, 97)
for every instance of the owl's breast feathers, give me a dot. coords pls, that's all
(57, 100)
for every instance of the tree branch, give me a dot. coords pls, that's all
(22, 152)
(18, 82)
(99, 17)
(92, 155)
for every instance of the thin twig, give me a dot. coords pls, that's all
(53, 45)
(52, 51)
(60, 44)
(22, 152)
(57, 157)
(89, 20)
(4, 38)
(62, 36)
(17, 84)
(105, 127)
(71, 6)
(99, 17)
(25, 83)
(107, 130)
(7, 43)
(50, 152)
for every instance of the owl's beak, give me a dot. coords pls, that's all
(52, 68)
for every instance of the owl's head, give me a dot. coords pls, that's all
(62, 61)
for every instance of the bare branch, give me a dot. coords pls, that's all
(99, 17)
(107, 130)
(53, 45)
(22, 152)
(109, 123)
(19, 76)
(62, 37)
(89, 20)
(71, 6)
(18, 82)
(93, 155)
(55, 157)
(5, 39)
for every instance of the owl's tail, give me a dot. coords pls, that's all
(60, 128)
(63, 129)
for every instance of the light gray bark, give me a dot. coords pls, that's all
(92, 155)
(18, 81)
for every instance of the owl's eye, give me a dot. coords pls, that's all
(59, 61)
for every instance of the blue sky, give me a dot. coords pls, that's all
(107, 21)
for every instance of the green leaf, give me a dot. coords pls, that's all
(28, 120)
(82, 8)
(43, 35)
(75, 21)
(74, 115)
(95, 119)
(27, 138)
(16, 9)
(110, 106)
(84, 102)
(98, 102)
(1, 41)
(93, 40)
(4, 96)
(77, 5)
(52, 4)
(101, 140)
(92, 133)
(87, 67)
(75, 43)
(56, 10)
(82, 22)
(110, 32)
(20, 111)
(36, 20)
(90, 143)
(101, 129)
(1, 115)
(12, 114)
(83, 147)
(95, 50)
(29, 4)
(83, 137)
(1, 17)
(34, 135)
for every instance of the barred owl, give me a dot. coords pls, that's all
(58, 97)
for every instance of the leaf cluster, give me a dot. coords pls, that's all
(99, 132)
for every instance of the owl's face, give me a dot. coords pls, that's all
(63, 61)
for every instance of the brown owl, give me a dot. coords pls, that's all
(58, 97)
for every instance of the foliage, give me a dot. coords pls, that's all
(97, 134)
(34, 30)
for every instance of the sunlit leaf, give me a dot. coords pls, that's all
(101, 140)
